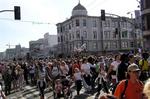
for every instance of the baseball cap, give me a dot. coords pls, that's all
(133, 67)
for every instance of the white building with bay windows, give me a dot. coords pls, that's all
(113, 34)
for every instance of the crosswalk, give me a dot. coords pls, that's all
(30, 92)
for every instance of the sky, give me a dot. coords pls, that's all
(41, 16)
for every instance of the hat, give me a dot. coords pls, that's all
(133, 67)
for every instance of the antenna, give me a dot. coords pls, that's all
(79, 1)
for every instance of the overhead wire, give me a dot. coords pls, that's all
(33, 22)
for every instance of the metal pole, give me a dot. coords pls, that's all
(6, 11)
(101, 26)
(119, 34)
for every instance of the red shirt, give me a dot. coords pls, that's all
(133, 90)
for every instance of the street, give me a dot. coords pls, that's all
(33, 93)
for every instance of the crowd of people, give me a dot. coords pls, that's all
(125, 73)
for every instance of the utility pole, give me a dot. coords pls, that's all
(101, 27)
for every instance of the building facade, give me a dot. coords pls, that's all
(113, 34)
(41, 48)
(145, 10)
(18, 52)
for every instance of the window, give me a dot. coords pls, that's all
(115, 33)
(84, 22)
(72, 24)
(57, 29)
(116, 24)
(58, 39)
(125, 44)
(73, 36)
(114, 45)
(94, 34)
(131, 44)
(77, 22)
(109, 45)
(69, 26)
(107, 34)
(78, 34)
(61, 29)
(69, 36)
(94, 23)
(107, 23)
(113, 24)
(123, 24)
(94, 45)
(105, 46)
(85, 34)
(124, 34)
(129, 25)
(61, 38)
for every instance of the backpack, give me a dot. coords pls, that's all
(125, 87)
(115, 86)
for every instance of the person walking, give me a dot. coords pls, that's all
(78, 80)
(41, 85)
(132, 87)
(122, 67)
(86, 75)
(7, 80)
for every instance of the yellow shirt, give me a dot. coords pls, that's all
(145, 65)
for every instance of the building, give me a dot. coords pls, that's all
(41, 47)
(145, 10)
(51, 39)
(113, 34)
(18, 52)
(2, 55)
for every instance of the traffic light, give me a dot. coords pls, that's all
(103, 15)
(17, 13)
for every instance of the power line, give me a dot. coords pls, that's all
(33, 22)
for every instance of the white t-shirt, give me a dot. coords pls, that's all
(85, 68)
(115, 65)
(77, 76)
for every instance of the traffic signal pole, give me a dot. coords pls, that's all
(16, 12)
